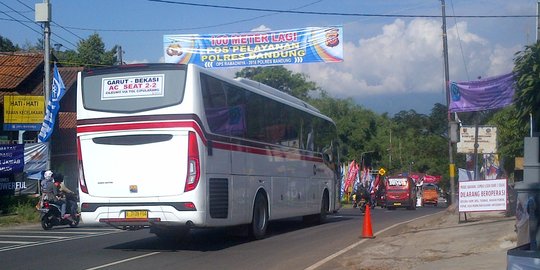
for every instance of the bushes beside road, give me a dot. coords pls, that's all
(18, 210)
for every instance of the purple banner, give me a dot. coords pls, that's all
(11, 158)
(490, 93)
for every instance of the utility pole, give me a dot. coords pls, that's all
(43, 15)
(120, 55)
(537, 18)
(451, 165)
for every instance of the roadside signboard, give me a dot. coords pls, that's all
(482, 195)
(23, 112)
(487, 140)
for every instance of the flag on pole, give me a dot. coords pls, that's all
(58, 90)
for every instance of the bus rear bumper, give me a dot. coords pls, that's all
(143, 216)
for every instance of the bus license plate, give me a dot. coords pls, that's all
(397, 203)
(137, 214)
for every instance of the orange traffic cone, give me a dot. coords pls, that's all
(367, 232)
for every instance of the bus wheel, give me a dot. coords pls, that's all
(259, 223)
(321, 217)
(324, 208)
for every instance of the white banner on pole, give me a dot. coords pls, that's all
(482, 195)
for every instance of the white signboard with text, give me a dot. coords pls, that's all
(140, 86)
(482, 195)
(487, 140)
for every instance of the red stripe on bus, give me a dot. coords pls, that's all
(265, 152)
(196, 127)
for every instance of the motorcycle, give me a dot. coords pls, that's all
(50, 215)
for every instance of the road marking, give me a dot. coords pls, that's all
(341, 252)
(123, 261)
(31, 236)
(16, 242)
(56, 241)
(61, 232)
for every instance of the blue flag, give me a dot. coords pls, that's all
(53, 106)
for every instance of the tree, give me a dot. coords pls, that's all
(90, 53)
(295, 84)
(7, 46)
(510, 134)
(438, 120)
(527, 96)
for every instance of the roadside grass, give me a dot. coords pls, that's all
(18, 210)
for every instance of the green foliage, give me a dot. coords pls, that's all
(18, 210)
(510, 134)
(527, 71)
(7, 46)
(90, 53)
(294, 84)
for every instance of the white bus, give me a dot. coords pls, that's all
(173, 147)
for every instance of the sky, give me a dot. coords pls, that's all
(392, 61)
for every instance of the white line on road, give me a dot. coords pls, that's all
(123, 261)
(31, 236)
(341, 252)
(56, 241)
(16, 242)
(64, 232)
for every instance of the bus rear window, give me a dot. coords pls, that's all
(133, 90)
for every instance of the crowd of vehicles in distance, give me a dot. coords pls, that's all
(400, 192)
(430, 194)
(174, 147)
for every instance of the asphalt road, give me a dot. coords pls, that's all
(290, 244)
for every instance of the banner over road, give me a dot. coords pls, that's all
(295, 46)
(485, 94)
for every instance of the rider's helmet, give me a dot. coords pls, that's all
(48, 175)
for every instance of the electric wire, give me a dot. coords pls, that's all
(275, 11)
(67, 30)
(31, 21)
(338, 13)
(459, 42)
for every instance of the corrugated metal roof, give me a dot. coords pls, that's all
(67, 120)
(15, 68)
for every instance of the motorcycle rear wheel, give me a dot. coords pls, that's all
(46, 223)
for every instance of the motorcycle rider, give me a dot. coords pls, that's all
(69, 196)
(51, 193)
(362, 194)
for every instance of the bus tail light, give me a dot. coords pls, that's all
(193, 166)
(82, 181)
